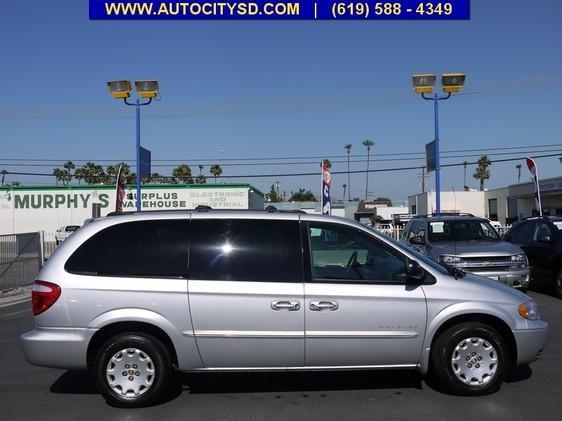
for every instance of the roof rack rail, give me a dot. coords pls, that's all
(206, 208)
(434, 214)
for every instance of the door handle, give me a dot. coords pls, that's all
(285, 305)
(323, 305)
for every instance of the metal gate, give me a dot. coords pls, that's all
(20, 259)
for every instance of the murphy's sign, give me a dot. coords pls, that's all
(58, 200)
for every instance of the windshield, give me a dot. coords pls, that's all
(462, 230)
(72, 228)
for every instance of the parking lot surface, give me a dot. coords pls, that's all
(531, 393)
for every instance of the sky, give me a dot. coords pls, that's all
(283, 89)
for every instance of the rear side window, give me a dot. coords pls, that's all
(142, 248)
(245, 250)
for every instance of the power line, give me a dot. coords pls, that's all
(316, 173)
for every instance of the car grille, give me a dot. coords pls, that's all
(486, 263)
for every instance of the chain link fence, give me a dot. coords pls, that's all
(21, 257)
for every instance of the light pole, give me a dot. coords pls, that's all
(348, 148)
(146, 90)
(424, 84)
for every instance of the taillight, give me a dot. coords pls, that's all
(43, 296)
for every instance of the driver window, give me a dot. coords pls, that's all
(543, 230)
(342, 253)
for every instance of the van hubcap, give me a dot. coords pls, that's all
(130, 372)
(474, 361)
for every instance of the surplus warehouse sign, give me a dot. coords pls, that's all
(34, 209)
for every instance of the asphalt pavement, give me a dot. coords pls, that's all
(35, 393)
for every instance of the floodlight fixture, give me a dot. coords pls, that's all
(423, 83)
(120, 89)
(147, 89)
(452, 82)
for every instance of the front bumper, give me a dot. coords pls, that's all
(531, 342)
(516, 278)
(57, 347)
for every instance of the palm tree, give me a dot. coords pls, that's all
(183, 174)
(79, 174)
(216, 170)
(368, 143)
(348, 148)
(518, 166)
(92, 173)
(201, 179)
(465, 163)
(59, 175)
(482, 172)
(344, 186)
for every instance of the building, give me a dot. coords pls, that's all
(46, 208)
(506, 205)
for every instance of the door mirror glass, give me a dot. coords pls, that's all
(414, 272)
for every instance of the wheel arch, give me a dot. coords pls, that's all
(111, 330)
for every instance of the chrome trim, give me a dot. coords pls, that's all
(309, 368)
(248, 334)
(299, 335)
(361, 334)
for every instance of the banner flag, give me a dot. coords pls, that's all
(120, 196)
(532, 165)
(326, 182)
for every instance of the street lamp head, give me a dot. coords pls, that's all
(423, 84)
(452, 82)
(120, 89)
(147, 88)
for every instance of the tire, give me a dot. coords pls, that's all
(133, 370)
(487, 363)
(558, 284)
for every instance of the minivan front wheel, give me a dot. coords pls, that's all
(133, 370)
(469, 359)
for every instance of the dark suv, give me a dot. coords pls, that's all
(468, 243)
(541, 240)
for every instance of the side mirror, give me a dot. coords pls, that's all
(414, 272)
(417, 240)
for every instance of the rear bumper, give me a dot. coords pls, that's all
(57, 347)
(531, 342)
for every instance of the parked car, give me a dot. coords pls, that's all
(468, 243)
(134, 296)
(541, 239)
(63, 232)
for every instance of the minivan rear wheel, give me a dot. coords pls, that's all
(133, 370)
(469, 359)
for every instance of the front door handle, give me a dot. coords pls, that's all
(323, 305)
(286, 305)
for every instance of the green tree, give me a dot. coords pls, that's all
(369, 144)
(112, 170)
(93, 173)
(79, 174)
(216, 171)
(272, 196)
(182, 173)
(302, 195)
(482, 172)
(201, 179)
(383, 201)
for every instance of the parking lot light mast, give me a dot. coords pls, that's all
(146, 90)
(424, 84)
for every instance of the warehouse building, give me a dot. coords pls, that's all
(46, 208)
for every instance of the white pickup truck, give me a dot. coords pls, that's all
(63, 232)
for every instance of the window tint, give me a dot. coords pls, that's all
(343, 253)
(246, 250)
(143, 248)
(524, 233)
(543, 230)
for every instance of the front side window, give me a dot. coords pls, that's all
(462, 230)
(542, 231)
(246, 250)
(341, 253)
(156, 248)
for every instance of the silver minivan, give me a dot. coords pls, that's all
(136, 296)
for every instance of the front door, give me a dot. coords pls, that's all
(359, 309)
(246, 292)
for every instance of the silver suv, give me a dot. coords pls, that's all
(471, 244)
(136, 296)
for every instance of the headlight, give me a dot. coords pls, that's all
(449, 259)
(529, 310)
(519, 260)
